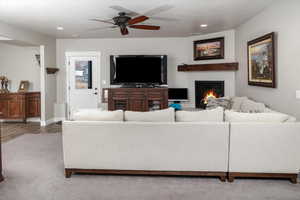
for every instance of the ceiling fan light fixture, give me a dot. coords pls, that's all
(60, 28)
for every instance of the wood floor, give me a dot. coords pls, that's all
(11, 130)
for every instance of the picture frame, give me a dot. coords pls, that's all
(261, 61)
(24, 86)
(209, 49)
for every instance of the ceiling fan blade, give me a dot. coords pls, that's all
(145, 27)
(158, 10)
(137, 20)
(127, 11)
(99, 20)
(101, 28)
(164, 19)
(124, 31)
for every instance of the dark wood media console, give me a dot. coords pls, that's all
(137, 99)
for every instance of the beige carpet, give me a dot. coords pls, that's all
(33, 170)
(11, 130)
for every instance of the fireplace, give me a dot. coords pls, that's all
(205, 89)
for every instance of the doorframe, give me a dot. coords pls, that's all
(71, 54)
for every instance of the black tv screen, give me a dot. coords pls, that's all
(178, 94)
(140, 69)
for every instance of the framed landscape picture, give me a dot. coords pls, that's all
(209, 49)
(261, 61)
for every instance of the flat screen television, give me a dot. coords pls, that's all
(138, 69)
(178, 94)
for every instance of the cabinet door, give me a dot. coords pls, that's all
(137, 105)
(119, 104)
(137, 101)
(16, 107)
(3, 108)
(33, 106)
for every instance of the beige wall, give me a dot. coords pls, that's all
(282, 17)
(19, 63)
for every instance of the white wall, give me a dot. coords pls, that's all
(19, 63)
(283, 18)
(227, 76)
(179, 50)
(25, 37)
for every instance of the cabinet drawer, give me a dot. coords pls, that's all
(155, 95)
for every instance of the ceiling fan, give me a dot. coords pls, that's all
(130, 19)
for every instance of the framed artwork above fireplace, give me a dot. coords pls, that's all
(209, 49)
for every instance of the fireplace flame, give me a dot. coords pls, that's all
(210, 94)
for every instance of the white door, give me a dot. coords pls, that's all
(84, 76)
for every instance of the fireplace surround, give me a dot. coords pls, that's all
(205, 89)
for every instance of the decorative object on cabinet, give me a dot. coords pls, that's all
(24, 86)
(4, 85)
(51, 70)
(261, 61)
(38, 58)
(209, 49)
(20, 105)
(137, 99)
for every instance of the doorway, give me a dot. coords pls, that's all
(83, 81)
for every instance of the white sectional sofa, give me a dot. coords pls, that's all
(165, 148)
(264, 150)
(186, 143)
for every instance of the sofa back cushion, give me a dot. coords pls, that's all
(231, 116)
(290, 119)
(166, 115)
(214, 115)
(98, 115)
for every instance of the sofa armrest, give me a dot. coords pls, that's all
(264, 147)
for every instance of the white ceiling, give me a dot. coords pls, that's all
(184, 16)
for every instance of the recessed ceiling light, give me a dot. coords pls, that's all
(203, 25)
(60, 28)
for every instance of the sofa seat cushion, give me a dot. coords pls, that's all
(214, 115)
(166, 115)
(98, 115)
(232, 116)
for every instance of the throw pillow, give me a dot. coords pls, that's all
(250, 106)
(223, 102)
(236, 103)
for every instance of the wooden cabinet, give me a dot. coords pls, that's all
(137, 99)
(33, 105)
(20, 105)
(1, 176)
